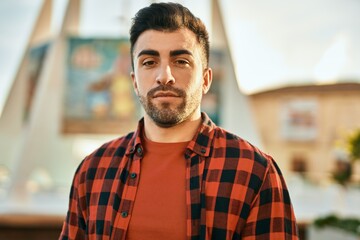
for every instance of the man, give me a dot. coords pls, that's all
(178, 176)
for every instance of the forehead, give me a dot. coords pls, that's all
(163, 41)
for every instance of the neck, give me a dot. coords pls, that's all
(181, 132)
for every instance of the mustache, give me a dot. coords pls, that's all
(168, 88)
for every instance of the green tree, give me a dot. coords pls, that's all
(354, 145)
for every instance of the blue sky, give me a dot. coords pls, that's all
(273, 42)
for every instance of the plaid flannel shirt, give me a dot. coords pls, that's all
(234, 191)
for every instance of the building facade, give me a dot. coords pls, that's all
(303, 127)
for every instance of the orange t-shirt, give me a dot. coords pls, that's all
(160, 205)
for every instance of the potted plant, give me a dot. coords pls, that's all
(332, 227)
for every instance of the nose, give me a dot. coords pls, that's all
(164, 76)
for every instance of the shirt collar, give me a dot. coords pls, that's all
(135, 141)
(200, 144)
(202, 140)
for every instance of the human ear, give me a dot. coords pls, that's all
(207, 80)
(133, 78)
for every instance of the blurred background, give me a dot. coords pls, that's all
(286, 78)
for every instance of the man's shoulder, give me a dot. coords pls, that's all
(238, 147)
(113, 148)
(116, 146)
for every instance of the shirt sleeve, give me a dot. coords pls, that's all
(74, 225)
(271, 215)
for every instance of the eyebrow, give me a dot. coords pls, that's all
(180, 52)
(157, 54)
(149, 52)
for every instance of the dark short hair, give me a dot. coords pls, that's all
(168, 17)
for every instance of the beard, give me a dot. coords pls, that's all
(164, 114)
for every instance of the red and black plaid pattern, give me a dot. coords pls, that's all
(234, 191)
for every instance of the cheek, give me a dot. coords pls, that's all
(188, 80)
(143, 88)
(194, 89)
(197, 83)
(140, 84)
(139, 90)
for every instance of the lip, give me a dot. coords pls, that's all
(165, 94)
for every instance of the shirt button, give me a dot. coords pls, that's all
(133, 175)
(203, 150)
(139, 151)
(124, 214)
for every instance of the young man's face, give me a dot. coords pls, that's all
(170, 75)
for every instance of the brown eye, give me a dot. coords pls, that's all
(148, 63)
(182, 62)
